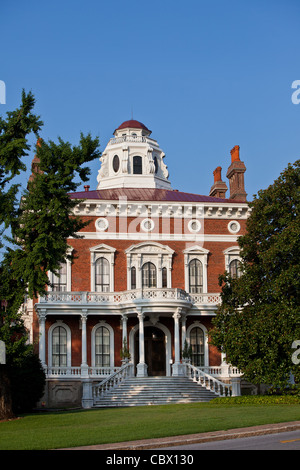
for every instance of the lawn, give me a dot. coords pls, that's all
(54, 430)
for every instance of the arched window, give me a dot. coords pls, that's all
(137, 166)
(102, 275)
(195, 277)
(235, 269)
(102, 347)
(59, 347)
(133, 277)
(60, 280)
(149, 275)
(164, 277)
(197, 344)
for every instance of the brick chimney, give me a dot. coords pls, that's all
(219, 187)
(35, 165)
(235, 174)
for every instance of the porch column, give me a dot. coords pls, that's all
(42, 339)
(84, 366)
(177, 367)
(183, 330)
(141, 367)
(124, 329)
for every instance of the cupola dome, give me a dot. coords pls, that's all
(132, 159)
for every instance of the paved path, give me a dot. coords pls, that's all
(195, 438)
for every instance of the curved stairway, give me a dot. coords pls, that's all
(139, 391)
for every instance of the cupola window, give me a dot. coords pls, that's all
(137, 165)
(116, 163)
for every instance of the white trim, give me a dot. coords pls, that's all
(111, 343)
(153, 236)
(201, 254)
(107, 252)
(69, 344)
(231, 253)
(153, 252)
(197, 324)
(69, 272)
(198, 224)
(101, 224)
(231, 230)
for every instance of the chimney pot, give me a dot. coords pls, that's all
(235, 153)
(86, 188)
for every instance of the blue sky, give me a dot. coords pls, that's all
(202, 75)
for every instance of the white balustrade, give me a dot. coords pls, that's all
(208, 381)
(128, 296)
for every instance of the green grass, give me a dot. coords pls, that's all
(53, 430)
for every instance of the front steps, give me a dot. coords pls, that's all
(142, 391)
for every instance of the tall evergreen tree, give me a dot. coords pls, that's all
(259, 318)
(40, 224)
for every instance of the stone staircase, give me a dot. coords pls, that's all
(139, 391)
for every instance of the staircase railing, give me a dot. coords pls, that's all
(208, 381)
(99, 390)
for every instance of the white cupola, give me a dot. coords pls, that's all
(132, 159)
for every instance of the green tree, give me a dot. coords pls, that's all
(259, 317)
(14, 132)
(40, 223)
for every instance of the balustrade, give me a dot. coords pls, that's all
(57, 297)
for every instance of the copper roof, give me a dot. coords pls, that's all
(146, 194)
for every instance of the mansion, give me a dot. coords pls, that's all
(143, 285)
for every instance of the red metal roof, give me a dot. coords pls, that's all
(133, 124)
(146, 194)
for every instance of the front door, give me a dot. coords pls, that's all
(155, 350)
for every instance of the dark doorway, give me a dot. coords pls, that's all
(155, 350)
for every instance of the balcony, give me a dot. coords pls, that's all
(130, 299)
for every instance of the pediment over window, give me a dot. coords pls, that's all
(149, 247)
(102, 248)
(196, 249)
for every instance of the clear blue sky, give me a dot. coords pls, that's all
(202, 75)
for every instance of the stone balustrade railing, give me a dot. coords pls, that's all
(60, 297)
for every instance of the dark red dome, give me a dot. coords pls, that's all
(133, 124)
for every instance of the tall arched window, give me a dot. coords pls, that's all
(60, 280)
(164, 277)
(59, 347)
(149, 275)
(195, 277)
(235, 269)
(102, 275)
(133, 277)
(137, 166)
(102, 347)
(197, 344)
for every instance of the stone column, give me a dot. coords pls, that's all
(141, 367)
(124, 329)
(177, 366)
(84, 365)
(42, 339)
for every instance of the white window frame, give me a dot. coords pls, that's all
(107, 252)
(111, 342)
(69, 344)
(51, 275)
(197, 324)
(153, 252)
(201, 254)
(232, 253)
